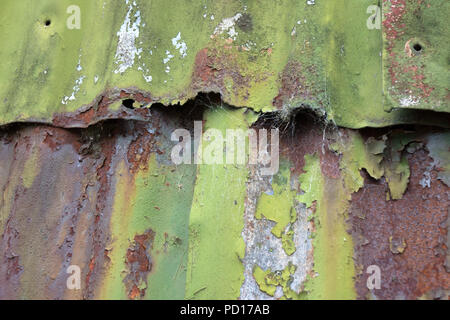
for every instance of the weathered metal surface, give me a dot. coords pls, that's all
(87, 178)
(406, 237)
(261, 55)
(99, 198)
(416, 59)
(104, 197)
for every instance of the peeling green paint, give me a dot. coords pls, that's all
(278, 207)
(287, 239)
(269, 280)
(439, 151)
(396, 164)
(357, 155)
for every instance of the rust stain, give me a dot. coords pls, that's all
(139, 264)
(64, 215)
(106, 142)
(141, 147)
(295, 84)
(310, 135)
(98, 110)
(405, 238)
(214, 65)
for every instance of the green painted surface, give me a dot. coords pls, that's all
(268, 281)
(216, 220)
(146, 202)
(333, 246)
(259, 55)
(278, 207)
(306, 55)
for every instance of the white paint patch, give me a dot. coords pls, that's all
(180, 45)
(79, 68)
(166, 60)
(76, 88)
(409, 101)
(128, 33)
(227, 25)
(147, 77)
(77, 85)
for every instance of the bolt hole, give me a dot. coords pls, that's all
(417, 47)
(48, 22)
(128, 103)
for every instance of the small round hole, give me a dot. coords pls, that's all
(417, 47)
(47, 22)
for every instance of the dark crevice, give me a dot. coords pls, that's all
(285, 119)
(128, 103)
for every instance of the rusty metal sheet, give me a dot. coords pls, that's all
(352, 112)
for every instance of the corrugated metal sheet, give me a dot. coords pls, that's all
(87, 177)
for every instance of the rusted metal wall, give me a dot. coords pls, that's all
(358, 208)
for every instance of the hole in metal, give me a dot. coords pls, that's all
(417, 47)
(128, 103)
